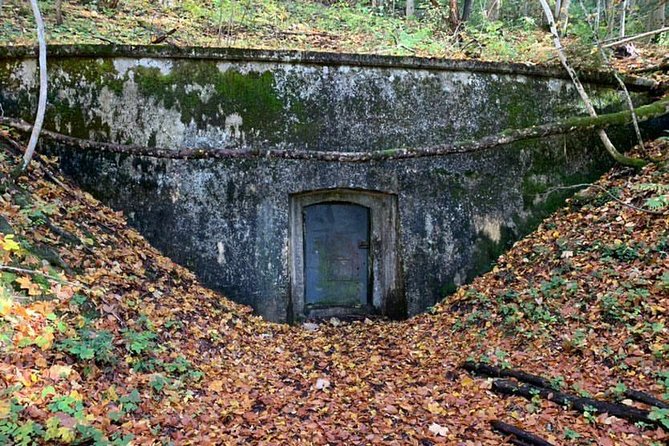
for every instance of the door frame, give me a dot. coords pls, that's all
(387, 290)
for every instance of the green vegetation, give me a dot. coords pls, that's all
(511, 30)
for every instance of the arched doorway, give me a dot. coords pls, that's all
(344, 254)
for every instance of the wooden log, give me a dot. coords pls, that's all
(645, 398)
(539, 381)
(578, 403)
(498, 372)
(526, 438)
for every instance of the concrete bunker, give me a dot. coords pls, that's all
(344, 253)
(210, 197)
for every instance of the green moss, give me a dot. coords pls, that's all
(252, 95)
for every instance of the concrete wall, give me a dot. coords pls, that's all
(228, 219)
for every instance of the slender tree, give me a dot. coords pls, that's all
(410, 8)
(41, 102)
(619, 157)
(466, 10)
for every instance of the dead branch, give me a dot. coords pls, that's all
(606, 191)
(524, 436)
(39, 273)
(644, 113)
(619, 157)
(645, 398)
(104, 39)
(497, 372)
(635, 37)
(575, 402)
(160, 38)
(41, 103)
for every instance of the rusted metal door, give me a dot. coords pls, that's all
(336, 254)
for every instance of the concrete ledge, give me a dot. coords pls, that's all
(321, 58)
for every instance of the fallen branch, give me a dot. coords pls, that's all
(644, 113)
(645, 398)
(104, 39)
(575, 402)
(525, 437)
(606, 191)
(160, 38)
(636, 37)
(492, 371)
(497, 372)
(39, 273)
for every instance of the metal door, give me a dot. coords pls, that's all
(336, 254)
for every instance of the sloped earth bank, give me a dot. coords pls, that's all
(127, 347)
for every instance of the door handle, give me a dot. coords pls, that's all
(363, 245)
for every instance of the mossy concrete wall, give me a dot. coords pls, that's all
(228, 219)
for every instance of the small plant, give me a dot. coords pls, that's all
(501, 356)
(661, 416)
(158, 383)
(139, 341)
(589, 414)
(619, 389)
(68, 404)
(90, 345)
(657, 202)
(571, 435)
(557, 382)
(128, 403)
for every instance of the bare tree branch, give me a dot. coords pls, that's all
(636, 37)
(646, 112)
(39, 273)
(41, 103)
(623, 87)
(619, 157)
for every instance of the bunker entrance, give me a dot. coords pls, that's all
(336, 255)
(344, 254)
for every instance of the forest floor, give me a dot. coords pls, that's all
(300, 25)
(105, 341)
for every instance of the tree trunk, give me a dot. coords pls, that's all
(522, 435)
(466, 10)
(563, 16)
(59, 12)
(41, 102)
(575, 402)
(493, 9)
(623, 18)
(453, 14)
(410, 8)
(656, 16)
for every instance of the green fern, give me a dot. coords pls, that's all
(652, 187)
(658, 202)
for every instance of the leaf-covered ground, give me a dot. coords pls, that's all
(114, 343)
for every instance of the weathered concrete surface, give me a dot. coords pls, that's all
(228, 220)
